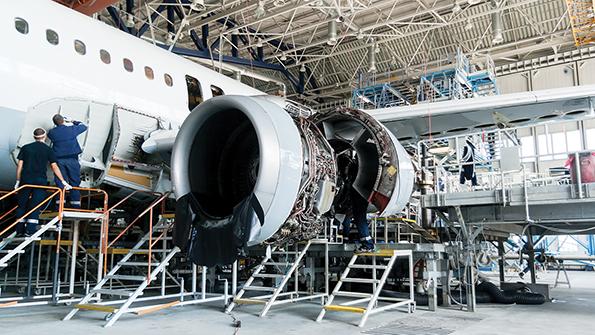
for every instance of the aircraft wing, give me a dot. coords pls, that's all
(411, 123)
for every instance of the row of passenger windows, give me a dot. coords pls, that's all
(193, 85)
(52, 37)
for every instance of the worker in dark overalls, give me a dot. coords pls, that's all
(33, 160)
(468, 158)
(357, 213)
(67, 150)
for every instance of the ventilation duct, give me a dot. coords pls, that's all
(497, 24)
(372, 58)
(332, 32)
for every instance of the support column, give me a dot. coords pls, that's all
(73, 255)
(501, 259)
(445, 280)
(432, 289)
(30, 273)
(531, 252)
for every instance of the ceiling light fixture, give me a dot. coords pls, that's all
(283, 57)
(169, 39)
(469, 25)
(260, 11)
(456, 8)
(360, 34)
(198, 5)
(303, 68)
(129, 21)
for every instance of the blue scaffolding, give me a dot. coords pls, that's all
(369, 95)
(461, 81)
(377, 96)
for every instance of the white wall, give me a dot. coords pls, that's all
(562, 75)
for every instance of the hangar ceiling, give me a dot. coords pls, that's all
(329, 40)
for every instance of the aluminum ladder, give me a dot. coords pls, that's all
(8, 250)
(141, 281)
(285, 264)
(382, 261)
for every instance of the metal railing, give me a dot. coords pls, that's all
(56, 192)
(160, 201)
(488, 167)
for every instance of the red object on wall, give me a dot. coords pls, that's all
(587, 167)
(87, 7)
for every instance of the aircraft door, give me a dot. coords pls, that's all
(97, 116)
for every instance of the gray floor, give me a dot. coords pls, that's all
(571, 312)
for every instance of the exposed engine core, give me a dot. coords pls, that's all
(264, 170)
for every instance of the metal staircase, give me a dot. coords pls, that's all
(122, 272)
(279, 266)
(382, 261)
(12, 246)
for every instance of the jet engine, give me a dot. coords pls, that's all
(251, 170)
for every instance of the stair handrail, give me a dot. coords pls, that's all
(160, 200)
(56, 191)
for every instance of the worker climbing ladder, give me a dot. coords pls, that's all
(127, 264)
(382, 261)
(279, 265)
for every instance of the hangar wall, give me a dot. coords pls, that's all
(579, 72)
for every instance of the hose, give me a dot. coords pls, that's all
(515, 295)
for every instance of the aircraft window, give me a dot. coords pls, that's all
(194, 92)
(216, 91)
(105, 56)
(21, 25)
(149, 73)
(80, 47)
(168, 80)
(128, 65)
(52, 37)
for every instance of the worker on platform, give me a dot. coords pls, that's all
(468, 159)
(33, 160)
(357, 213)
(67, 150)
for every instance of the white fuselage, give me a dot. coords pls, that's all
(32, 71)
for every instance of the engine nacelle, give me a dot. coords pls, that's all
(251, 170)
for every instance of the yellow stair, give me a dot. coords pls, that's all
(246, 301)
(99, 308)
(350, 309)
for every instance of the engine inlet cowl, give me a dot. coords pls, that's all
(251, 170)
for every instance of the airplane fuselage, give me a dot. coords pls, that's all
(35, 68)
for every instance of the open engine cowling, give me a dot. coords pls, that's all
(250, 170)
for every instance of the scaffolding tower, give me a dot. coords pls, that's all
(369, 94)
(462, 81)
(582, 19)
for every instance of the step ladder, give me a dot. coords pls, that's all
(284, 265)
(12, 245)
(141, 282)
(561, 268)
(381, 261)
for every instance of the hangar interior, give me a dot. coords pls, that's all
(466, 126)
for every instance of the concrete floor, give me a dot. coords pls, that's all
(571, 312)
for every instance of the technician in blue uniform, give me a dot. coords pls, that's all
(67, 150)
(33, 160)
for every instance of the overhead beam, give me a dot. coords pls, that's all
(115, 15)
(361, 46)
